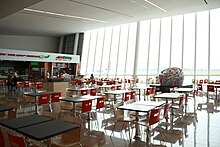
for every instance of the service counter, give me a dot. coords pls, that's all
(58, 86)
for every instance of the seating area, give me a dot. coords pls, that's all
(109, 116)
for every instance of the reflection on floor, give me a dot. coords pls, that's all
(199, 127)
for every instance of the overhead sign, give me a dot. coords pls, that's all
(20, 55)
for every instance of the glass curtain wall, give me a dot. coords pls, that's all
(188, 41)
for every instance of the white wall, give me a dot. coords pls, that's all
(29, 43)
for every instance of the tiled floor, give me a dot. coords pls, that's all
(198, 128)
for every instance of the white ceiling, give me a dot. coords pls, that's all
(17, 21)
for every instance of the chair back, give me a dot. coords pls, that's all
(92, 81)
(148, 91)
(166, 109)
(26, 84)
(93, 91)
(118, 87)
(86, 106)
(55, 97)
(200, 81)
(100, 102)
(43, 99)
(154, 116)
(133, 94)
(109, 83)
(186, 98)
(2, 140)
(127, 96)
(84, 92)
(199, 87)
(210, 88)
(181, 102)
(39, 85)
(153, 90)
(99, 83)
(16, 141)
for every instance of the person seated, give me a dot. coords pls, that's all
(92, 77)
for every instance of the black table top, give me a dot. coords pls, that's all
(5, 108)
(80, 98)
(47, 129)
(39, 93)
(21, 122)
(137, 108)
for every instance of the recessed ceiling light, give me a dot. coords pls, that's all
(63, 15)
(155, 5)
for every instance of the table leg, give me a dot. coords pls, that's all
(139, 94)
(36, 108)
(136, 137)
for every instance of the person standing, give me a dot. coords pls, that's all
(48, 75)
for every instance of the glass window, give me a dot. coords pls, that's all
(122, 49)
(154, 47)
(143, 48)
(176, 47)
(165, 43)
(214, 43)
(114, 50)
(91, 54)
(189, 44)
(131, 49)
(85, 52)
(106, 51)
(98, 55)
(202, 43)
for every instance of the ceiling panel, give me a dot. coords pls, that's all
(105, 13)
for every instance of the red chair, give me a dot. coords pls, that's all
(26, 85)
(86, 106)
(84, 92)
(206, 81)
(210, 89)
(148, 92)
(118, 87)
(154, 118)
(43, 99)
(16, 141)
(99, 83)
(200, 81)
(178, 106)
(2, 140)
(127, 96)
(199, 89)
(39, 86)
(166, 109)
(100, 103)
(109, 83)
(133, 94)
(93, 92)
(55, 97)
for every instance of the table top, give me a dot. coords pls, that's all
(37, 94)
(79, 89)
(109, 86)
(47, 129)
(21, 122)
(137, 108)
(141, 87)
(149, 103)
(117, 92)
(168, 95)
(80, 98)
(183, 89)
(5, 108)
